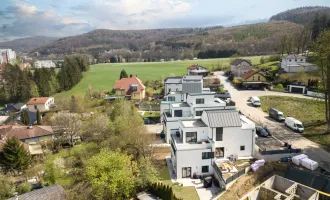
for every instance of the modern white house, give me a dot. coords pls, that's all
(44, 64)
(294, 63)
(40, 103)
(193, 108)
(7, 56)
(200, 144)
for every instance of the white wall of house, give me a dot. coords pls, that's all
(243, 63)
(186, 111)
(242, 71)
(192, 159)
(172, 87)
(286, 61)
(170, 128)
(233, 138)
(44, 64)
(208, 99)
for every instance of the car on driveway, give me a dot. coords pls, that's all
(149, 121)
(263, 132)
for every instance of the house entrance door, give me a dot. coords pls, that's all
(186, 172)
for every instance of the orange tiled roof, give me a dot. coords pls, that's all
(125, 84)
(249, 74)
(37, 100)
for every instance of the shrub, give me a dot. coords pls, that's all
(23, 188)
(279, 87)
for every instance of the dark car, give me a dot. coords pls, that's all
(149, 121)
(263, 132)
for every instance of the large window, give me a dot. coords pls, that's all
(171, 98)
(177, 113)
(219, 152)
(199, 101)
(191, 137)
(219, 134)
(199, 113)
(207, 155)
(205, 169)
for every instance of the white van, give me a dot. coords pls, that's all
(255, 101)
(294, 124)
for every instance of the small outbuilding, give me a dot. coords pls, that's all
(297, 88)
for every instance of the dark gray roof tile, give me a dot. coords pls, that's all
(223, 118)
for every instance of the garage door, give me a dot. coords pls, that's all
(297, 90)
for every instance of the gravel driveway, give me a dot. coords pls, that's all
(279, 130)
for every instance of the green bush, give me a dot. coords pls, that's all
(279, 87)
(23, 188)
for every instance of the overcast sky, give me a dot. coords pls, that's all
(59, 18)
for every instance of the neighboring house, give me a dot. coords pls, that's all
(131, 88)
(44, 64)
(254, 79)
(40, 103)
(12, 107)
(294, 63)
(201, 143)
(27, 134)
(8, 56)
(240, 66)
(193, 108)
(197, 70)
(53, 192)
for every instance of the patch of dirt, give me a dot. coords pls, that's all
(249, 181)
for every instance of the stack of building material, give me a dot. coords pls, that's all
(297, 159)
(254, 167)
(260, 162)
(309, 164)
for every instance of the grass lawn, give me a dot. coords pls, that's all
(151, 114)
(179, 191)
(274, 65)
(305, 110)
(103, 76)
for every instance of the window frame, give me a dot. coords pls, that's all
(207, 155)
(168, 98)
(223, 152)
(200, 99)
(192, 138)
(203, 169)
(216, 133)
(201, 112)
(177, 111)
(242, 147)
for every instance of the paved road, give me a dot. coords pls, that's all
(279, 130)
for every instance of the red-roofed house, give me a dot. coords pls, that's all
(254, 79)
(132, 88)
(26, 134)
(40, 103)
(197, 70)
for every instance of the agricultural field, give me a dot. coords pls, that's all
(102, 77)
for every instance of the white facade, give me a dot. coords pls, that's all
(195, 146)
(295, 63)
(10, 56)
(44, 64)
(40, 106)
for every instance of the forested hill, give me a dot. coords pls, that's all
(301, 15)
(26, 44)
(104, 39)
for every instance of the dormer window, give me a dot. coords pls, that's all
(134, 87)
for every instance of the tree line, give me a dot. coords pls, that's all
(216, 54)
(21, 85)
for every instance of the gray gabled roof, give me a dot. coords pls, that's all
(53, 192)
(223, 118)
(294, 56)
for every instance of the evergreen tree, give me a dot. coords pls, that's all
(25, 117)
(123, 74)
(15, 157)
(38, 117)
(323, 23)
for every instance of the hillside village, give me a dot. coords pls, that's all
(146, 122)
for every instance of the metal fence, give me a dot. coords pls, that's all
(284, 151)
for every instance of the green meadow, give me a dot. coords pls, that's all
(101, 77)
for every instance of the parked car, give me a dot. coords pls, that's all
(263, 132)
(276, 114)
(149, 121)
(294, 124)
(255, 101)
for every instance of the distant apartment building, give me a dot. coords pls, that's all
(7, 56)
(44, 64)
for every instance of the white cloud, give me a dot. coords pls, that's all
(25, 20)
(133, 14)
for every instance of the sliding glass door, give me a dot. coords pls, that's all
(186, 172)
